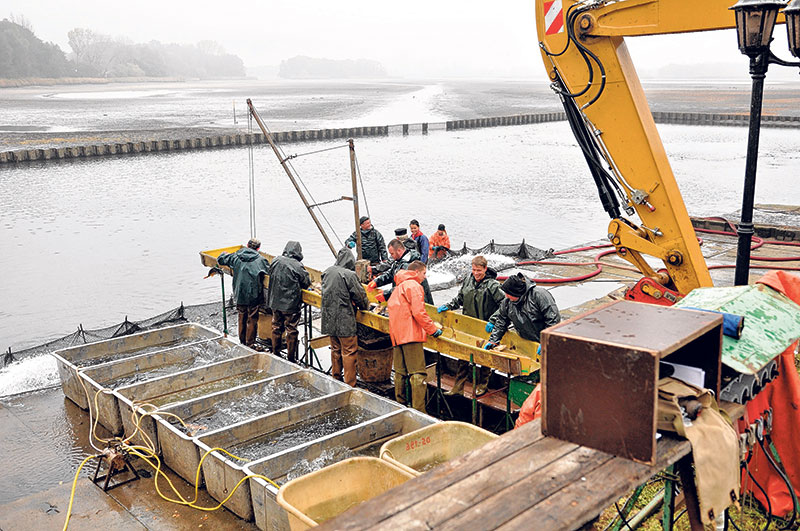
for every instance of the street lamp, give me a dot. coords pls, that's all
(792, 14)
(755, 21)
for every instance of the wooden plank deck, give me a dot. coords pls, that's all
(520, 481)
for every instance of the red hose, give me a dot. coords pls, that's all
(759, 242)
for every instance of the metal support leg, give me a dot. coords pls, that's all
(310, 358)
(440, 397)
(627, 508)
(224, 310)
(509, 418)
(668, 510)
(474, 386)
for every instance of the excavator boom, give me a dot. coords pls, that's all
(584, 52)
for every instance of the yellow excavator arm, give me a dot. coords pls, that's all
(584, 52)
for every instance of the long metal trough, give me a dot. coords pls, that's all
(146, 367)
(270, 433)
(361, 440)
(71, 359)
(246, 367)
(179, 450)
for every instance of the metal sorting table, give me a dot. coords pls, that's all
(463, 336)
(522, 480)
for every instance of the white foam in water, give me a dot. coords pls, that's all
(28, 375)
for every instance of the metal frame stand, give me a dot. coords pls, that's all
(668, 509)
(309, 354)
(508, 418)
(112, 472)
(438, 394)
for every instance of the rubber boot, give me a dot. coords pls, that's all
(400, 388)
(461, 378)
(418, 391)
(484, 373)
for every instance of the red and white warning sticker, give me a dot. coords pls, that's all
(553, 17)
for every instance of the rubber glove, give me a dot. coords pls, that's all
(539, 350)
(437, 333)
(380, 297)
(489, 327)
(351, 244)
(372, 285)
(442, 308)
(489, 346)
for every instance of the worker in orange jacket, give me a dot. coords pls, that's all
(439, 243)
(409, 327)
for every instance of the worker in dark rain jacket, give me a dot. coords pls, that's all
(423, 245)
(401, 257)
(342, 294)
(287, 278)
(409, 327)
(529, 308)
(249, 268)
(373, 247)
(480, 296)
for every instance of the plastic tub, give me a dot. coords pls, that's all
(317, 497)
(428, 447)
(360, 441)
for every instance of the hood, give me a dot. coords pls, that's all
(246, 254)
(410, 244)
(293, 250)
(403, 275)
(491, 273)
(345, 259)
(529, 285)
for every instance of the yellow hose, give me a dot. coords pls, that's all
(72, 494)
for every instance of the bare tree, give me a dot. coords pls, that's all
(22, 20)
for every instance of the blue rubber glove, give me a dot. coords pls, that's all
(539, 350)
(437, 333)
(489, 346)
(351, 244)
(489, 327)
(732, 324)
(442, 308)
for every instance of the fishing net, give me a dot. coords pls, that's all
(443, 273)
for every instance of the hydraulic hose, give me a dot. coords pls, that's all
(785, 479)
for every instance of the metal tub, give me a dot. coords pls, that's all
(179, 450)
(82, 356)
(110, 375)
(194, 383)
(362, 440)
(222, 473)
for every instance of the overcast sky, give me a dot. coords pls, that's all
(428, 38)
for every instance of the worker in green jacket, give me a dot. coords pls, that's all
(249, 268)
(480, 296)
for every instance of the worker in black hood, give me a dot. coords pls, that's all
(249, 268)
(373, 247)
(342, 295)
(287, 278)
(531, 309)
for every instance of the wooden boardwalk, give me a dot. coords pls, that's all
(520, 481)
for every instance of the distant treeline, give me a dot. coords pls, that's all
(302, 67)
(95, 55)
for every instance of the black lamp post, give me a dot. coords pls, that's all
(755, 20)
(792, 14)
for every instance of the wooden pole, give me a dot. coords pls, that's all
(268, 136)
(355, 197)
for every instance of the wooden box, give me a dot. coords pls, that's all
(600, 372)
